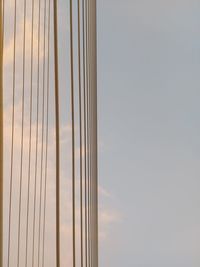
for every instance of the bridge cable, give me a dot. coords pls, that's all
(42, 148)
(73, 136)
(80, 132)
(85, 130)
(37, 132)
(12, 134)
(57, 136)
(22, 135)
(47, 135)
(30, 134)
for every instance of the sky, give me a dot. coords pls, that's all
(148, 132)
(148, 88)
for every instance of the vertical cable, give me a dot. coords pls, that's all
(12, 133)
(30, 136)
(2, 24)
(85, 130)
(42, 149)
(37, 133)
(1, 134)
(90, 135)
(92, 132)
(22, 135)
(73, 135)
(2, 30)
(88, 131)
(96, 135)
(57, 137)
(93, 71)
(80, 132)
(47, 137)
(87, 97)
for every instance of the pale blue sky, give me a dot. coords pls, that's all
(148, 85)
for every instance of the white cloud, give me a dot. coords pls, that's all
(106, 215)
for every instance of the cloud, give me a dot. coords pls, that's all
(107, 216)
(104, 192)
(9, 48)
(9, 33)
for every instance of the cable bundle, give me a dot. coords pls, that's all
(27, 198)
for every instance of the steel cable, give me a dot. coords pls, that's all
(73, 136)
(85, 130)
(22, 134)
(57, 122)
(80, 133)
(42, 148)
(12, 133)
(37, 133)
(47, 137)
(30, 135)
